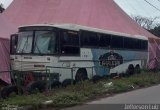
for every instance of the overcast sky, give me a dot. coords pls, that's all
(131, 7)
(140, 7)
(5, 2)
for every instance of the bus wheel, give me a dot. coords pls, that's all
(36, 86)
(96, 78)
(81, 75)
(130, 70)
(67, 82)
(10, 90)
(137, 69)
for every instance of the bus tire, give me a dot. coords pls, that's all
(96, 78)
(36, 85)
(130, 70)
(67, 82)
(137, 69)
(81, 75)
(7, 91)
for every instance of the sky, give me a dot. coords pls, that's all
(140, 7)
(5, 3)
(131, 7)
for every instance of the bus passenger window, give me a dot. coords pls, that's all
(70, 43)
(144, 45)
(105, 40)
(137, 44)
(128, 43)
(70, 38)
(117, 42)
(89, 39)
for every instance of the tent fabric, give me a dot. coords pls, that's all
(102, 14)
(4, 61)
(154, 51)
(6, 28)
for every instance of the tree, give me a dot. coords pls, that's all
(1, 8)
(150, 24)
(145, 22)
(155, 31)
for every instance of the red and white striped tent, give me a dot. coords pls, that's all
(102, 14)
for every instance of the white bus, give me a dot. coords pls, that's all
(76, 52)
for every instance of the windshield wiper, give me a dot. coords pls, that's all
(25, 44)
(39, 51)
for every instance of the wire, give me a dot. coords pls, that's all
(153, 5)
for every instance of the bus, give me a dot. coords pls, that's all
(70, 51)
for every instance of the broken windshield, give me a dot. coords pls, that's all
(45, 42)
(25, 42)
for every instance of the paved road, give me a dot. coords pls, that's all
(149, 95)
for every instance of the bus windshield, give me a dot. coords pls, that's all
(45, 42)
(25, 42)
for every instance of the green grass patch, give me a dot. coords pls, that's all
(83, 91)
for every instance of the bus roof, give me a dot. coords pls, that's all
(76, 27)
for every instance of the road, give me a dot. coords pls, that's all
(149, 95)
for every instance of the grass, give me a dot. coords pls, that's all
(81, 92)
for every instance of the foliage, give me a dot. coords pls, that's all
(83, 91)
(155, 31)
(150, 24)
(145, 22)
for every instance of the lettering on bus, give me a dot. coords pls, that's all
(110, 59)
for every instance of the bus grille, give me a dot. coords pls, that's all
(27, 66)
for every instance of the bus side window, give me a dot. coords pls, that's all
(144, 45)
(89, 39)
(70, 43)
(13, 43)
(117, 42)
(137, 44)
(129, 43)
(105, 40)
